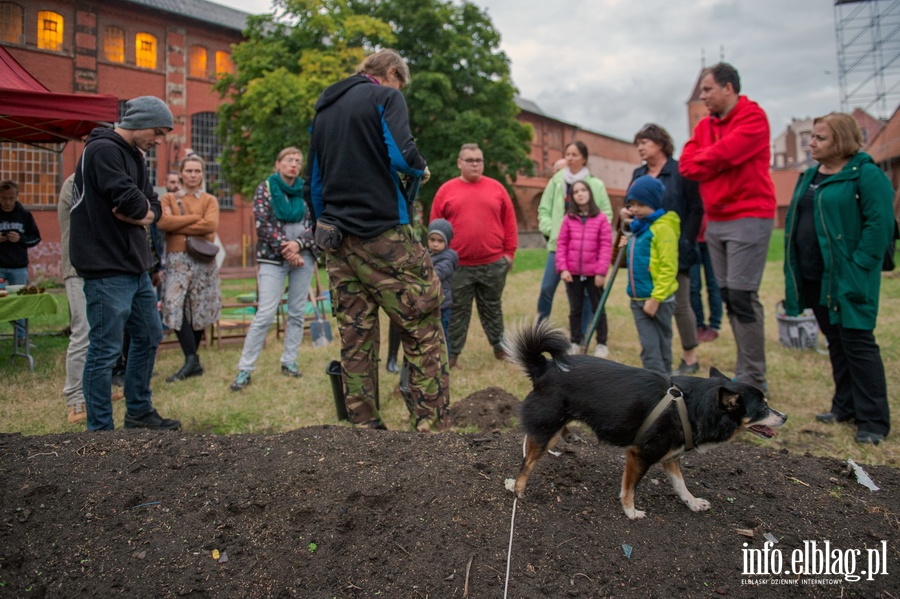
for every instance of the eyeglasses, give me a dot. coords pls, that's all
(473, 160)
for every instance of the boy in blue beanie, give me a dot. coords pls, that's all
(445, 261)
(652, 253)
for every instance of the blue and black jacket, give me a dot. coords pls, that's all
(360, 145)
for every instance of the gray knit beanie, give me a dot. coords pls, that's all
(146, 112)
(442, 227)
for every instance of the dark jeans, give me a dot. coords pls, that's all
(576, 292)
(114, 305)
(549, 283)
(712, 290)
(860, 387)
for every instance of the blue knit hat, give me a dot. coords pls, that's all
(647, 190)
(442, 227)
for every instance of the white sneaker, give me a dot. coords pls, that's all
(601, 351)
(574, 349)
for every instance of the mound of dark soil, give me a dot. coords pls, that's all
(487, 410)
(338, 512)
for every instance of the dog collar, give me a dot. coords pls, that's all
(675, 395)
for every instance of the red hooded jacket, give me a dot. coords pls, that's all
(730, 159)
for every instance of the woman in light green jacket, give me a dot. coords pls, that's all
(551, 210)
(838, 227)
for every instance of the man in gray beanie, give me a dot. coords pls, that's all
(113, 200)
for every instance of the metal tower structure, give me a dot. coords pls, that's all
(868, 53)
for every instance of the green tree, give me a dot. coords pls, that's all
(461, 89)
(287, 60)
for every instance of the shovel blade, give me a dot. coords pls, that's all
(321, 333)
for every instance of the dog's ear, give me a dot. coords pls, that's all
(729, 400)
(715, 373)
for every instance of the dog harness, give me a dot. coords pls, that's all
(675, 395)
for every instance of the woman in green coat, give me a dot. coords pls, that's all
(838, 227)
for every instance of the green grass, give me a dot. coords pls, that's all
(800, 382)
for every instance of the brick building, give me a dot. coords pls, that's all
(174, 49)
(611, 159)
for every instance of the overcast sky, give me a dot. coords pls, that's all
(613, 65)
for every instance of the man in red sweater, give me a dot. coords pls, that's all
(485, 236)
(729, 155)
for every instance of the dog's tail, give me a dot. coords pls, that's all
(527, 345)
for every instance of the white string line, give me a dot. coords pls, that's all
(512, 528)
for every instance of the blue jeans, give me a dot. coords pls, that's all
(549, 283)
(16, 276)
(115, 305)
(712, 290)
(270, 288)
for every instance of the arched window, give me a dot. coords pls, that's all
(205, 142)
(114, 43)
(197, 62)
(223, 63)
(145, 50)
(12, 23)
(49, 30)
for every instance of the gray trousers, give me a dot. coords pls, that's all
(655, 335)
(78, 341)
(484, 284)
(685, 319)
(738, 251)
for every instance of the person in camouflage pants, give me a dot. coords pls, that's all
(391, 272)
(363, 172)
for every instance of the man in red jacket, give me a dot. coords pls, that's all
(729, 155)
(485, 236)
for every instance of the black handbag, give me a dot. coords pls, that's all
(198, 248)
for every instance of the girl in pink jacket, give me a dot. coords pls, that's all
(583, 253)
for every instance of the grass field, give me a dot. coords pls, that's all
(799, 382)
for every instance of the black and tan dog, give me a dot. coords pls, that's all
(615, 400)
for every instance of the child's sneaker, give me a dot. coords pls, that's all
(601, 351)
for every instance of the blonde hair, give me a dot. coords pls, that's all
(848, 138)
(287, 152)
(464, 147)
(190, 158)
(378, 65)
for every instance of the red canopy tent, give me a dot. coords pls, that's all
(30, 113)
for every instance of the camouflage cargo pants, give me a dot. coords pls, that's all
(392, 271)
(484, 284)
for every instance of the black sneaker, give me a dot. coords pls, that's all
(864, 437)
(152, 420)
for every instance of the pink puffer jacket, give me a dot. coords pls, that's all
(584, 248)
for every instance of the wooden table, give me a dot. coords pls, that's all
(16, 307)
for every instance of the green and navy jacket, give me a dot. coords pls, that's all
(653, 260)
(854, 218)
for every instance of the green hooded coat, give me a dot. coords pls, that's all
(854, 221)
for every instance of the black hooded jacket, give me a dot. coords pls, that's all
(110, 175)
(360, 145)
